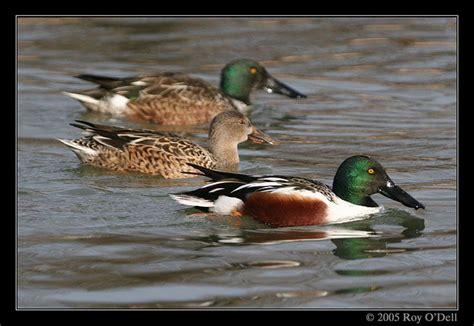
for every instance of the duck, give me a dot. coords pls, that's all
(179, 99)
(164, 154)
(284, 201)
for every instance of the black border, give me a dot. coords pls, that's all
(9, 315)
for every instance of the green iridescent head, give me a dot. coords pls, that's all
(359, 177)
(240, 77)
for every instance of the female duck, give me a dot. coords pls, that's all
(292, 201)
(164, 154)
(178, 99)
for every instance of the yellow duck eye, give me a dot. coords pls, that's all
(371, 171)
(253, 70)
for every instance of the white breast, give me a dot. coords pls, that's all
(341, 211)
(241, 106)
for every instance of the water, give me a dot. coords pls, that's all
(386, 87)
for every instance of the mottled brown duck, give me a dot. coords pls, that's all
(164, 154)
(179, 99)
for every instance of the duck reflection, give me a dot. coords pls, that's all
(356, 240)
(357, 248)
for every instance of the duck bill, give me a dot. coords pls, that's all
(392, 191)
(258, 137)
(273, 85)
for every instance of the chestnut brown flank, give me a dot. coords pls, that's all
(285, 210)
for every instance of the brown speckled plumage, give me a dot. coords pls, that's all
(168, 98)
(164, 154)
(179, 99)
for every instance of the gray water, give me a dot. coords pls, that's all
(385, 87)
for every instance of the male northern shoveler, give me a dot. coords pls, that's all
(292, 201)
(178, 99)
(164, 154)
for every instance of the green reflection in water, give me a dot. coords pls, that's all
(358, 248)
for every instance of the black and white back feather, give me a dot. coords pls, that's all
(240, 186)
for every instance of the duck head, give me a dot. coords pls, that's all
(240, 77)
(359, 177)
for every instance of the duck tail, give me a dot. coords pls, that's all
(83, 98)
(219, 175)
(190, 200)
(104, 81)
(83, 152)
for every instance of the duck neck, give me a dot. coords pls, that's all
(235, 89)
(352, 194)
(224, 151)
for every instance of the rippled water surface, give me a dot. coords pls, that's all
(386, 87)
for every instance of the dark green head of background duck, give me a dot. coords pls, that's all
(240, 77)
